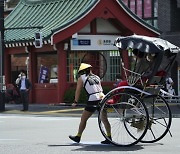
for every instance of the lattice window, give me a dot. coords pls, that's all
(106, 64)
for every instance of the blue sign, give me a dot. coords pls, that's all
(43, 74)
(81, 42)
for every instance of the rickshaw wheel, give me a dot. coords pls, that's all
(160, 118)
(123, 111)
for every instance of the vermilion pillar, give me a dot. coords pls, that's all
(32, 72)
(7, 68)
(126, 61)
(62, 71)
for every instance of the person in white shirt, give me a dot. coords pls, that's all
(24, 86)
(19, 77)
(169, 85)
(92, 85)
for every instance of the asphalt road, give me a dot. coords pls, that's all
(63, 109)
(46, 134)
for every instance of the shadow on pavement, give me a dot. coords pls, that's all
(98, 147)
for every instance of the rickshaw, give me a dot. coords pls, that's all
(135, 110)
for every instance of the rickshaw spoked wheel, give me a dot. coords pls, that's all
(160, 118)
(122, 117)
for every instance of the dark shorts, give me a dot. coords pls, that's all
(92, 106)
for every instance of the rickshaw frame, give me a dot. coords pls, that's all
(141, 115)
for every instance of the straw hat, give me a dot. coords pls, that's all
(84, 66)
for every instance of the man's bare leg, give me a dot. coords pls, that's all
(85, 116)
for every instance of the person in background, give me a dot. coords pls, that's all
(17, 82)
(92, 86)
(19, 77)
(24, 86)
(169, 85)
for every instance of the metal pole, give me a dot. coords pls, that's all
(2, 94)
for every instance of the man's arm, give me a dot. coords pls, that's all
(28, 84)
(78, 91)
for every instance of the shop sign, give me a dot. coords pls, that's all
(94, 42)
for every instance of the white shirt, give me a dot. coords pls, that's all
(92, 85)
(23, 85)
(169, 82)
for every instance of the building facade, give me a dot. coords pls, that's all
(164, 15)
(73, 31)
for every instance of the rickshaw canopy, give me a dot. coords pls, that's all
(145, 44)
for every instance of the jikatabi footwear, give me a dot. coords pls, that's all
(106, 141)
(75, 138)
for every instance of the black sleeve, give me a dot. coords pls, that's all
(29, 84)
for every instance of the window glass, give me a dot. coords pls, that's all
(155, 23)
(155, 8)
(73, 62)
(125, 2)
(47, 67)
(149, 22)
(19, 62)
(147, 9)
(132, 6)
(114, 65)
(139, 8)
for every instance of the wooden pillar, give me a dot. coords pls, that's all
(62, 72)
(32, 73)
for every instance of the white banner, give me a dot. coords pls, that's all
(94, 42)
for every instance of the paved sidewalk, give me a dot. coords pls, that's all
(43, 109)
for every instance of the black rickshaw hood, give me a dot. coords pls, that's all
(145, 44)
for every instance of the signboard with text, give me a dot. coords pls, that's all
(94, 42)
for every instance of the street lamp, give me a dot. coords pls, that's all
(2, 80)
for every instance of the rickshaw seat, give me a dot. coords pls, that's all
(155, 80)
(158, 77)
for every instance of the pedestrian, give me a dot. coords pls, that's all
(24, 86)
(169, 85)
(92, 86)
(19, 77)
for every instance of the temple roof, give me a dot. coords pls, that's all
(52, 15)
(49, 17)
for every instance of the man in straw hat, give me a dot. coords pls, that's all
(92, 85)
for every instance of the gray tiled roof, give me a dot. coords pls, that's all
(53, 15)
